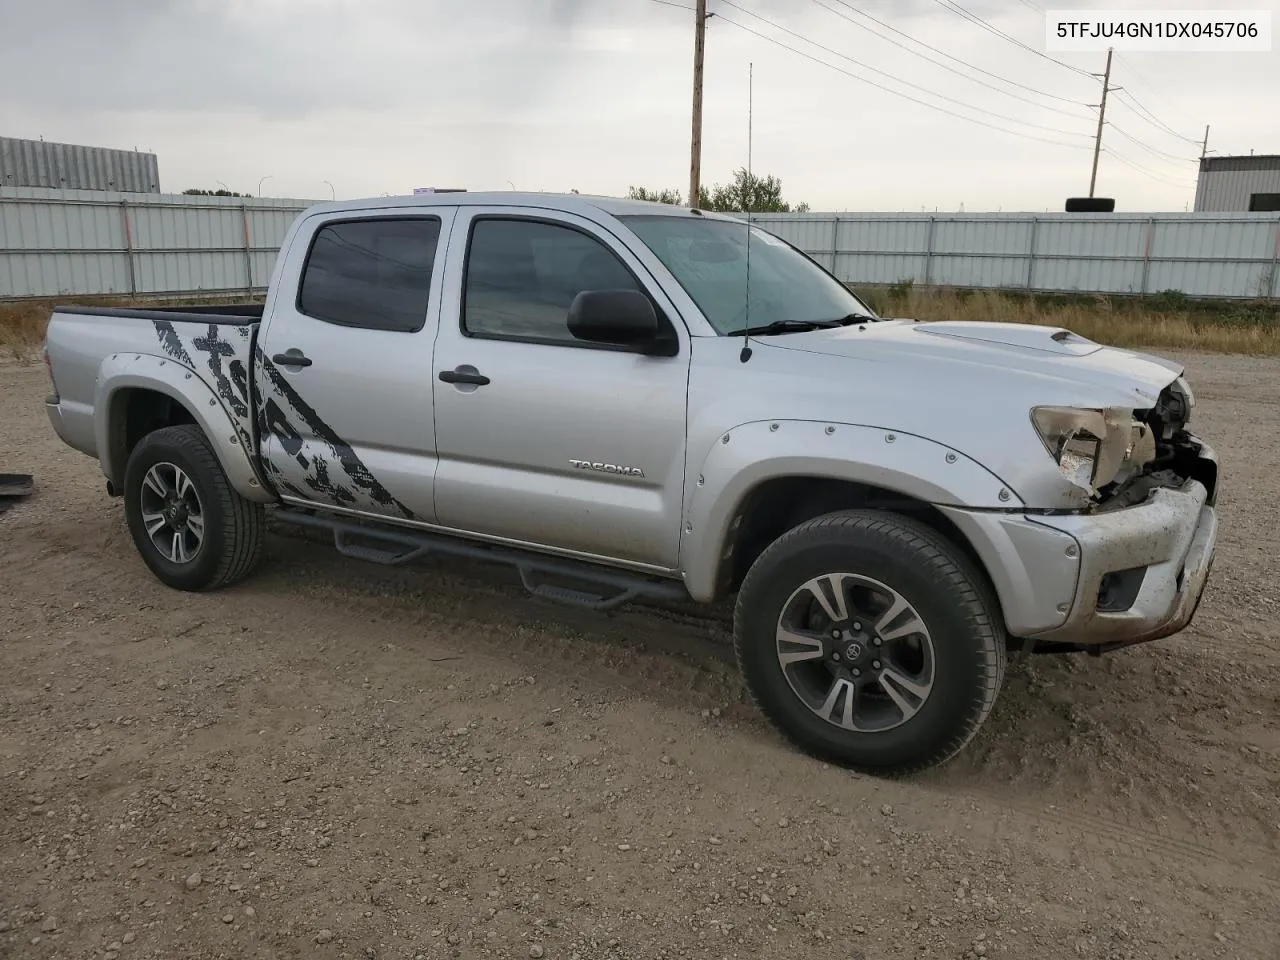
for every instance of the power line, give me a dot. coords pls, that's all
(1146, 116)
(1152, 150)
(944, 66)
(668, 3)
(1150, 174)
(943, 53)
(1157, 94)
(896, 93)
(991, 28)
(905, 83)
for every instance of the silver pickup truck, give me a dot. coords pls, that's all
(632, 400)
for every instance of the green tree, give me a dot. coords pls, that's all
(748, 193)
(673, 197)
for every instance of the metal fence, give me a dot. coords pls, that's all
(61, 243)
(1206, 255)
(80, 242)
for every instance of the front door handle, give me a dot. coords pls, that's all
(463, 375)
(293, 357)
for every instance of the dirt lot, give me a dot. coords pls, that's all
(336, 760)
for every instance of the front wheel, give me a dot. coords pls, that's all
(190, 526)
(870, 641)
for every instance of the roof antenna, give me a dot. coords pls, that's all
(745, 355)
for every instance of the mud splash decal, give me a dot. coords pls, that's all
(356, 487)
(220, 356)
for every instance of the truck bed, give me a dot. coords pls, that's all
(223, 313)
(214, 343)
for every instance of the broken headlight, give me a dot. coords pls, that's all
(1094, 448)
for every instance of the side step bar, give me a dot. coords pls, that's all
(394, 547)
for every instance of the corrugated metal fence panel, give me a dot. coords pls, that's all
(55, 242)
(1223, 255)
(68, 166)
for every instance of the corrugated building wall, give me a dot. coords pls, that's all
(1228, 184)
(68, 166)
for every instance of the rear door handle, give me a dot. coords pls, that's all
(293, 357)
(462, 375)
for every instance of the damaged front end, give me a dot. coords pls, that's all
(1116, 457)
(1146, 525)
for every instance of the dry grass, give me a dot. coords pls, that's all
(1166, 320)
(23, 322)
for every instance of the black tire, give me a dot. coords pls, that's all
(965, 637)
(233, 527)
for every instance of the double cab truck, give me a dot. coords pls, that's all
(629, 400)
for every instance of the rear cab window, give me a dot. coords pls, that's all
(373, 273)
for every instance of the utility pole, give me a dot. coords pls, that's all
(695, 153)
(1204, 147)
(1102, 113)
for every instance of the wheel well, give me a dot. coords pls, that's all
(778, 505)
(136, 412)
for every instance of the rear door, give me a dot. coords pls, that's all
(545, 439)
(343, 378)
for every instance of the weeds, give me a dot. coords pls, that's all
(23, 322)
(1168, 319)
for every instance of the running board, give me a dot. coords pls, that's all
(602, 589)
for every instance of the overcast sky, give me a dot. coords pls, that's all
(381, 96)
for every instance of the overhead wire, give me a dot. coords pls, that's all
(906, 96)
(991, 28)
(1157, 94)
(1131, 102)
(957, 72)
(1150, 174)
(896, 79)
(1150, 149)
(943, 53)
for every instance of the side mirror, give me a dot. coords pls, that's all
(622, 317)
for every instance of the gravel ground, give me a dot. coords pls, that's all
(336, 760)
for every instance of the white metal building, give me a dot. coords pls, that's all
(69, 166)
(1239, 184)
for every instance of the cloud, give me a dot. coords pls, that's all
(384, 95)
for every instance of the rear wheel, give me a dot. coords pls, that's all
(869, 640)
(192, 529)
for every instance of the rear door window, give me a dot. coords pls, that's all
(373, 273)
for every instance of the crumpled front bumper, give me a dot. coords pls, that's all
(1049, 570)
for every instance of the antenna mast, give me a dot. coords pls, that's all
(749, 196)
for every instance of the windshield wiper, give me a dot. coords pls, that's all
(786, 326)
(851, 318)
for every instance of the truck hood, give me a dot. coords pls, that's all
(1056, 356)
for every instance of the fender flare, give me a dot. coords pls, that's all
(743, 458)
(125, 371)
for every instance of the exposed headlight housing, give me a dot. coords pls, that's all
(1092, 447)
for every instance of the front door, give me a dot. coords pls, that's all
(344, 365)
(542, 438)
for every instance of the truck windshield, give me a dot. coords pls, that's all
(709, 259)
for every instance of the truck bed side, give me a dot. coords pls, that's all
(117, 371)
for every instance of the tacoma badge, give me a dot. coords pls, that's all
(599, 467)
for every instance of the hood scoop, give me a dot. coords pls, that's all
(1026, 336)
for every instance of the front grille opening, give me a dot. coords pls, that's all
(1119, 589)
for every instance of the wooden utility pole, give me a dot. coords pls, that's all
(695, 151)
(1204, 147)
(1102, 113)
